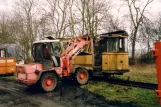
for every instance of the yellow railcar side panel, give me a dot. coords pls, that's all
(89, 59)
(115, 61)
(7, 65)
(2, 70)
(79, 60)
(84, 59)
(122, 62)
(105, 62)
(10, 69)
(112, 62)
(109, 62)
(2, 62)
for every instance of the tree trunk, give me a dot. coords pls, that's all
(133, 61)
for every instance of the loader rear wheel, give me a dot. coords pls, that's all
(48, 82)
(82, 76)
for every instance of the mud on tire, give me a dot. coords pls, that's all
(48, 82)
(81, 76)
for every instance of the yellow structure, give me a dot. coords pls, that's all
(114, 61)
(107, 54)
(7, 66)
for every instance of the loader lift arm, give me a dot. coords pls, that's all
(75, 47)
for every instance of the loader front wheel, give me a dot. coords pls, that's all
(82, 76)
(48, 82)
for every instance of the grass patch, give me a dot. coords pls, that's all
(128, 94)
(141, 73)
(123, 94)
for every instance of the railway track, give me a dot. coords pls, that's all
(144, 85)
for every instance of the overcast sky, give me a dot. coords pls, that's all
(5, 5)
(155, 7)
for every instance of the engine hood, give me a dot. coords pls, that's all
(29, 68)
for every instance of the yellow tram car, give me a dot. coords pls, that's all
(107, 54)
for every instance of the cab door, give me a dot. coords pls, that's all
(109, 61)
(122, 61)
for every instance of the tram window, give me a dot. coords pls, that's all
(126, 44)
(121, 44)
(112, 45)
(2, 53)
(103, 45)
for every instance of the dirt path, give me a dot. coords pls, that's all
(13, 94)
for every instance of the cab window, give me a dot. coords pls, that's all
(36, 52)
(112, 44)
(2, 53)
(56, 49)
(117, 44)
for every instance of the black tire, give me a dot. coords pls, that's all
(82, 76)
(48, 82)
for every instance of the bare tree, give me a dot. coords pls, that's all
(152, 30)
(92, 12)
(6, 29)
(76, 16)
(56, 17)
(24, 11)
(137, 17)
(146, 34)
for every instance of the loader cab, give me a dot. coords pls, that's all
(47, 52)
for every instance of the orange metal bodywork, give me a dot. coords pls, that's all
(27, 73)
(157, 54)
(7, 66)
